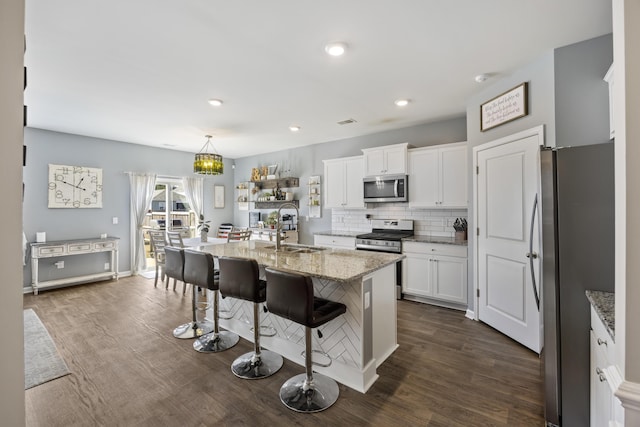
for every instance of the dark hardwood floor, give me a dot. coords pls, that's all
(128, 370)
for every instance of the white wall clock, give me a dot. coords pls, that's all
(75, 187)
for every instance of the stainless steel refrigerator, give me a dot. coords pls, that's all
(577, 214)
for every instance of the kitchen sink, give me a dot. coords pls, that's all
(296, 249)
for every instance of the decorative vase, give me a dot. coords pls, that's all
(203, 236)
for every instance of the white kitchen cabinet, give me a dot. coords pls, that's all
(605, 378)
(334, 242)
(343, 183)
(435, 271)
(438, 176)
(610, 81)
(387, 160)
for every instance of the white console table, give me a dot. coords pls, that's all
(63, 248)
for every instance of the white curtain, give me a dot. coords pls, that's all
(142, 188)
(194, 190)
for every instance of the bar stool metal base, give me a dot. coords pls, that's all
(252, 367)
(193, 330)
(299, 395)
(214, 343)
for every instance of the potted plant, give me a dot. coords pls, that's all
(272, 219)
(203, 226)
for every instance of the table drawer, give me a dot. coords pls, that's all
(105, 245)
(79, 247)
(51, 250)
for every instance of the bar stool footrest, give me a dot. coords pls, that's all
(322, 353)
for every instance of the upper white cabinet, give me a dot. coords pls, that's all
(609, 79)
(343, 183)
(387, 160)
(438, 176)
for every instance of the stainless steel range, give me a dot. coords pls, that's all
(386, 235)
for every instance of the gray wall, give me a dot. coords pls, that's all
(114, 158)
(581, 95)
(566, 94)
(307, 161)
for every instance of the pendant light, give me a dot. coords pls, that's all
(206, 163)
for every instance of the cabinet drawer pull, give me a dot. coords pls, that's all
(600, 374)
(601, 341)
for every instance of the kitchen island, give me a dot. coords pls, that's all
(358, 341)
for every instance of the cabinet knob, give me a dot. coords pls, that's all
(601, 342)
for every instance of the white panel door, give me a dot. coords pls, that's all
(508, 181)
(374, 162)
(453, 177)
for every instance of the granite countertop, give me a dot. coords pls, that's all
(340, 265)
(604, 304)
(435, 239)
(340, 233)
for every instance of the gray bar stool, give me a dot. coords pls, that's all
(176, 267)
(290, 296)
(239, 278)
(199, 271)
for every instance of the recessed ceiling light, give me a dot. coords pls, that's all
(402, 102)
(294, 128)
(215, 102)
(335, 48)
(480, 78)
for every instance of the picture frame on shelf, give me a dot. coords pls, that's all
(218, 196)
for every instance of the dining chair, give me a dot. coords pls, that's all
(238, 235)
(158, 243)
(175, 239)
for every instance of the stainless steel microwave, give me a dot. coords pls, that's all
(386, 188)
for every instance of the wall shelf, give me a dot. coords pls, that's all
(269, 184)
(315, 203)
(275, 204)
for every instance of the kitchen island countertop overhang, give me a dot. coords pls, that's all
(358, 341)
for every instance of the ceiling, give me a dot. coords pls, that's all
(142, 71)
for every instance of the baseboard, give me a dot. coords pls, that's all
(470, 314)
(439, 303)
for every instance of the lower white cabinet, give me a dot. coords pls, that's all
(605, 378)
(435, 271)
(334, 242)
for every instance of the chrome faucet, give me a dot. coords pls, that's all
(279, 226)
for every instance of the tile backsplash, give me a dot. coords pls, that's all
(426, 222)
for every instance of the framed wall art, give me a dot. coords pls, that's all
(218, 196)
(508, 106)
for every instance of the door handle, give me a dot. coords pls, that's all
(395, 187)
(531, 254)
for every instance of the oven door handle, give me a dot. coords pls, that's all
(395, 187)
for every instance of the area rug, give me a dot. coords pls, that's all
(42, 362)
